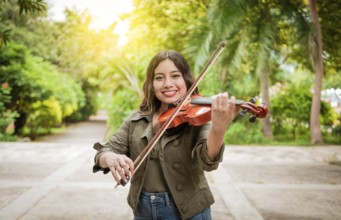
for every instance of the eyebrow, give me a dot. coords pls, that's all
(173, 71)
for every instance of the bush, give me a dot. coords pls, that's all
(37, 89)
(290, 112)
(333, 135)
(122, 104)
(7, 117)
(244, 132)
(45, 115)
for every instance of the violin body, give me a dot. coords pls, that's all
(198, 112)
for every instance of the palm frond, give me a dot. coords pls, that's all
(5, 36)
(31, 6)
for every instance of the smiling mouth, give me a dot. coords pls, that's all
(169, 93)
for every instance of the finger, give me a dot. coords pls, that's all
(224, 96)
(219, 100)
(237, 107)
(114, 172)
(119, 169)
(214, 102)
(126, 169)
(123, 163)
(225, 99)
(232, 100)
(122, 173)
(130, 164)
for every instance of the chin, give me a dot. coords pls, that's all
(171, 100)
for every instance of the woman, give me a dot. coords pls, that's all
(170, 183)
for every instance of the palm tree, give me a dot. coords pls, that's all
(254, 30)
(250, 37)
(315, 130)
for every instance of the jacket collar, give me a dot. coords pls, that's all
(148, 133)
(137, 116)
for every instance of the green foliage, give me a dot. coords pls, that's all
(330, 14)
(88, 106)
(4, 96)
(12, 59)
(9, 6)
(86, 55)
(61, 86)
(78, 50)
(36, 90)
(122, 104)
(290, 112)
(7, 117)
(161, 26)
(31, 6)
(43, 117)
(5, 36)
(244, 132)
(332, 81)
(334, 136)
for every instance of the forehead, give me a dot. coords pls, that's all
(165, 66)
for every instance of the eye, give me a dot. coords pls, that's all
(176, 75)
(158, 77)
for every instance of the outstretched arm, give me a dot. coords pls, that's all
(223, 113)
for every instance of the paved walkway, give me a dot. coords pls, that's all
(53, 179)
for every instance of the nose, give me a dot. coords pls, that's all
(168, 82)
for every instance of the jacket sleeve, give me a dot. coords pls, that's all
(118, 143)
(199, 151)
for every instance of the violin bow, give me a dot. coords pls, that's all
(138, 161)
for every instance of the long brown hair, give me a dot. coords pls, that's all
(150, 103)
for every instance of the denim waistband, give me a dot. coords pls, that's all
(158, 197)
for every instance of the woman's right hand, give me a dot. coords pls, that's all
(120, 165)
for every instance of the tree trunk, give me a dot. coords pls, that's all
(266, 124)
(315, 128)
(19, 123)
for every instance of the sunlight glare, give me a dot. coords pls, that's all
(104, 13)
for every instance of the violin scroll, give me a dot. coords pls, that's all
(256, 111)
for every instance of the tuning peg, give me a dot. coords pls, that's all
(253, 100)
(243, 112)
(252, 118)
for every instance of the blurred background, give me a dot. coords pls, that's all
(63, 61)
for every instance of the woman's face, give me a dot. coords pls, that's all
(168, 83)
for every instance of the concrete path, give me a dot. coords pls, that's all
(53, 179)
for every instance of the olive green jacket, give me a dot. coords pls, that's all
(182, 156)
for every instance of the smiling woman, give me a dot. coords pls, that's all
(104, 12)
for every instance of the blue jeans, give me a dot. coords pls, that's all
(160, 206)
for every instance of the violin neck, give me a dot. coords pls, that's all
(201, 101)
(208, 101)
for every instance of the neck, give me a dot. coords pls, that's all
(161, 109)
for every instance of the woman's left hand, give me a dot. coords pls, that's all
(224, 110)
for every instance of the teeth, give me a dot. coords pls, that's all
(169, 93)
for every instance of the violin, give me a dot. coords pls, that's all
(198, 111)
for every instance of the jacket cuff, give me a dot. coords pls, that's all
(100, 152)
(200, 151)
(218, 158)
